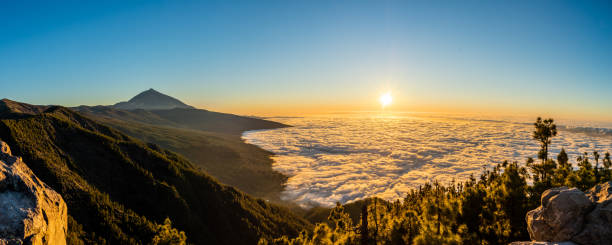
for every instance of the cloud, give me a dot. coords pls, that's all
(332, 159)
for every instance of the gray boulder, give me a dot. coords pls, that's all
(30, 211)
(598, 224)
(542, 243)
(569, 215)
(561, 215)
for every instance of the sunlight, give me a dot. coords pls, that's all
(385, 99)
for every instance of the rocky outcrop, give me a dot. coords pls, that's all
(598, 224)
(542, 243)
(30, 211)
(570, 215)
(560, 215)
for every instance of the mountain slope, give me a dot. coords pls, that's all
(118, 189)
(197, 119)
(210, 140)
(151, 100)
(225, 157)
(9, 108)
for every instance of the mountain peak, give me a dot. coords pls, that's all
(151, 100)
(150, 93)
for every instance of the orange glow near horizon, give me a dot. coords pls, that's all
(305, 109)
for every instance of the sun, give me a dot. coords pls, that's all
(385, 99)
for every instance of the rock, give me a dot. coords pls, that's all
(30, 211)
(543, 243)
(561, 215)
(598, 225)
(569, 215)
(600, 193)
(5, 149)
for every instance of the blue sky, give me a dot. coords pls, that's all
(281, 57)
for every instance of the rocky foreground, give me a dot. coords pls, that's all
(569, 216)
(30, 211)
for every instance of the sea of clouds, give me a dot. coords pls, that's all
(343, 158)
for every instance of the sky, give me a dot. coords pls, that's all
(298, 57)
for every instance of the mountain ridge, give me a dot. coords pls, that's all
(12, 108)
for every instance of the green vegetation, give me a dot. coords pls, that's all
(487, 210)
(168, 235)
(220, 153)
(225, 157)
(122, 191)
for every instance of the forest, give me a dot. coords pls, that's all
(120, 190)
(489, 209)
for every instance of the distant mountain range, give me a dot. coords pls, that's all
(118, 188)
(151, 100)
(591, 131)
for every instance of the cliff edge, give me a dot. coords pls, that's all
(30, 211)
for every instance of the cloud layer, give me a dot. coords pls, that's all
(346, 158)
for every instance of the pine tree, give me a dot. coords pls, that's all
(596, 157)
(562, 158)
(545, 130)
(365, 238)
(607, 163)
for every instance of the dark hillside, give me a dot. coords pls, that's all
(118, 189)
(225, 157)
(209, 140)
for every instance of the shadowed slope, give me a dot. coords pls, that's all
(210, 140)
(117, 188)
(225, 157)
